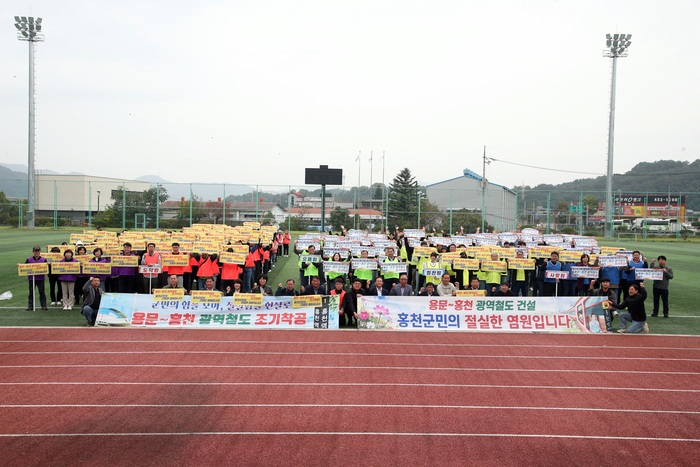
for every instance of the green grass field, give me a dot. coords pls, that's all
(17, 246)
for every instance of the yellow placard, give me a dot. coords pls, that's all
(471, 293)
(504, 252)
(178, 237)
(32, 269)
(97, 269)
(448, 258)
(495, 266)
(211, 297)
(233, 258)
(609, 250)
(168, 295)
(85, 238)
(52, 256)
(570, 256)
(248, 299)
(305, 301)
(175, 260)
(202, 247)
(65, 268)
(538, 253)
(254, 225)
(423, 250)
(136, 245)
(483, 255)
(125, 261)
(466, 263)
(62, 248)
(521, 263)
(83, 258)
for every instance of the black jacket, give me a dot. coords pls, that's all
(635, 305)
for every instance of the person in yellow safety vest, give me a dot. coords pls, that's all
(390, 278)
(363, 274)
(493, 278)
(307, 269)
(433, 263)
(420, 262)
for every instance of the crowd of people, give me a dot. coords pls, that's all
(352, 263)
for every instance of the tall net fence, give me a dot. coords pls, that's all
(65, 201)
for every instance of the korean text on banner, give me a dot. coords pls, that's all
(233, 258)
(495, 266)
(72, 267)
(468, 264)
(471, 293)
(338, 267)
(516, 314)
(248, 299)
(391, 268)
(209, 297)
(521, 263)
(556, 274)
(97, 269)
(32, 269)
(274, 313)
(304, 301)
(169, 294)
(614, 261)
(125, 261)
(583, 271)
(651, 274)
(360, 263)
(176, 260)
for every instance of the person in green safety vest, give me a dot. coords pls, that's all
(308, 269)
(331, 277)
(364, 275)
(390, 278)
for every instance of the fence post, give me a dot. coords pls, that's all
(224, 205)
(580, 214)
(89, 205)
(483, 206)
(354, 209)
(191, 205)
(124, 206)
(646, 214)
(55, 206)
(257, 200)
(386, 208)
(679, 218)
(549, 199)
(515, 220)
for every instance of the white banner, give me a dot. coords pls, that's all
(651, 274)
(583, 271)
(612, 261)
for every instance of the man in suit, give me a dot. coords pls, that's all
(315, 288)
(93, 297)
(378, 290)
(402, 288)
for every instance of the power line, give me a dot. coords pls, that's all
(547, 168)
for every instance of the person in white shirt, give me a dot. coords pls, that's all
(446, 287)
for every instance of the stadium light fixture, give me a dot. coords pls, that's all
(616, 46)
(28, 29)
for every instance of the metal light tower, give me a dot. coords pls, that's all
(616, 46)
(29, 29)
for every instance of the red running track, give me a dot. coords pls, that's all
(189, 397)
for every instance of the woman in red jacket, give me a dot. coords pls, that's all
(285, 243)
(229, 273)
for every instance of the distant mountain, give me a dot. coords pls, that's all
(204, 191)
(646, 177)
(23, 169)
(10, 182)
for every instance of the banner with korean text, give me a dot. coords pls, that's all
(137, 310)
(521, 314)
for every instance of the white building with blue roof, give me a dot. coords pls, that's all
(466, 192)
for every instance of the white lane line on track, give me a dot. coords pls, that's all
(432, 385)
(313, 367)
(381, 406)
(402, 344)
(335, 354)
(346, 434)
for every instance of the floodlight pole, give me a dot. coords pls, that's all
(615, 48)
(28, 30)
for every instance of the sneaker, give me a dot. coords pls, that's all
(70, 308)
(622, 331)
(54, 303)
(65, 308)
(646, 328)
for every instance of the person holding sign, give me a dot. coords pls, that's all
(82, 279)
(583, 282)
(153, 259)
(68, 281)
(179, 271)
(637, 262)
(307, 270)
(126, 275)
(660, 287)
(551, 285)
(333, 276)
(432, 265)
(93, 296)
(54, 284)
(493, 278)
(520, 278)
(363, 274)
(390, 278)
(286, 238)
(637, 314)
(97, 258)
(37, 281)
(614, 273)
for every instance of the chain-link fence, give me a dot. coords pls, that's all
(89, 201)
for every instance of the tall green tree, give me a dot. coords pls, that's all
(403, 196)
(199, 210)
(340, 216)
(137, 202)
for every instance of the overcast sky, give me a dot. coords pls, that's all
(254, 91)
